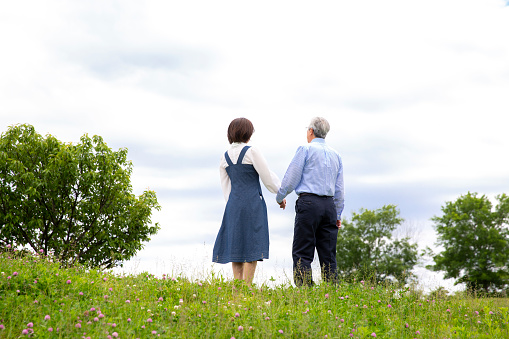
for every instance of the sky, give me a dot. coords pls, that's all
(416, 93)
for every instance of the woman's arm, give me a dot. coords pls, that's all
(226, 184)
(269, 178)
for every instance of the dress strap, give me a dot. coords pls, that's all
(242, 153)
(227, 158)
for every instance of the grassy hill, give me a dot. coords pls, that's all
(40, 299)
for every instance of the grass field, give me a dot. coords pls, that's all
(40, 299)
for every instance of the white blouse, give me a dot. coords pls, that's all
(253, 157)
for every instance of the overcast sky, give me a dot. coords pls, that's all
(416, 92)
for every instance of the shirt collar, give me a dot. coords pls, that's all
(320, 140)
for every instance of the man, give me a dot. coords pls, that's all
(316, 175)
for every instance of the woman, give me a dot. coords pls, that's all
(243, 238)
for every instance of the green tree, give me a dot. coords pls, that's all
(366, 248)
(475, 242)
(74, 200)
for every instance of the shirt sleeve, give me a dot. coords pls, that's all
(269, 178)
(293, 174)
(226, 184)
(339, 191)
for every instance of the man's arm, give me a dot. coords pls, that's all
(293, 174)
(339, 193)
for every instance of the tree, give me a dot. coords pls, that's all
(475, 239)
(74, 200)
(365, 247)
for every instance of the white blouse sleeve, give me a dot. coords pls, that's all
(226, 184)
(269, 178)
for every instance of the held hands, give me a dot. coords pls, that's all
(282, 204)
(338, 223)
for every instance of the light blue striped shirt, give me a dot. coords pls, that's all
(315, 168)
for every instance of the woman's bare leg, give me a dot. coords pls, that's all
(249, 271)
(238, 270)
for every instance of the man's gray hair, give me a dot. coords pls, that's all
(320, 127)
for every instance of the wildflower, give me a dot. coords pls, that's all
(241, 328)
(173, 313)
(104, 279)
(25, 331)
(448, 310)
(373, 334)
(390, 306)
(128, 320)
(142, 326)
(342, 320)
(237, 315)
(110, 289)
(417, 332)
(68, 282)
(181, 301)
(204, 302)
(154, 332)
(30, 324)
(128, 301)
(476, 312)
(2, 327)
(250, 328)
(15, 274)
(326, 295)
(281, 331)
(406, 325)
(50, 329)
(490, 312)
(81, 293)
(8, 246)
(113, 325)
(96, 319)
(78, 325)
(267, 318)
(149, 320)
(47, 317)
(161, 299)
(101, 315)
(92, 309)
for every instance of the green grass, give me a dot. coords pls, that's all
(85, 303)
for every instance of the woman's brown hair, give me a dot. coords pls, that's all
(240, 130)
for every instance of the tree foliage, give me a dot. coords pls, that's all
(366, 247)
(475, 239)
(75, 200)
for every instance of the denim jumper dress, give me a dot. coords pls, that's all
(244, 232)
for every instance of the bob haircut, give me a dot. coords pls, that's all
(240, 130)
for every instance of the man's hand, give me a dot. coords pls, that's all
(282, 204)
(338, 223)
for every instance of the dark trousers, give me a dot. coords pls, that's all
(315, 227)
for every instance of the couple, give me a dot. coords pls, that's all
(316, 175)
